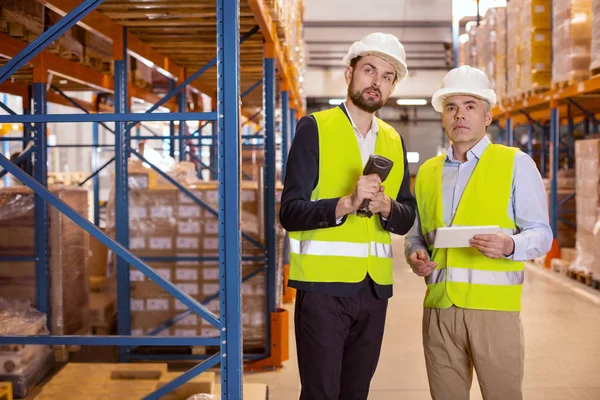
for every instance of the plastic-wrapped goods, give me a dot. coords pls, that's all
(535, 45)
(23, 366)
(68, 249)
(587, 164)
(471, 45)
(489, 45)
(571, 40)
(595, 63)
(513, 64)
(481, 38)
(499, 81)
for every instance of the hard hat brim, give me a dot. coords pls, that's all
(438, 98)
(399, 65)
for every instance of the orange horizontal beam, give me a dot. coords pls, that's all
(99, 24)
(21, 90)
(269, 31)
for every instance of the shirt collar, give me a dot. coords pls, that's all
(475, 152)
(374, 125)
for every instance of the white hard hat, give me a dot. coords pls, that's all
(465, 81)
(382, 45)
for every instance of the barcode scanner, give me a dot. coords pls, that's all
(376, 165)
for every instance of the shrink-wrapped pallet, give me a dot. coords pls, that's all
(512, 55)
(571, 40)
(499, 81)
(595, 56)
(535, 45)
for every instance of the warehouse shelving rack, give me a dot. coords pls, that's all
(227, 74)
(565, 106)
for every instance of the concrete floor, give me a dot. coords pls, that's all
(561, 320)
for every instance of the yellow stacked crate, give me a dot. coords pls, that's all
(535, 45)
(512, 43)
(571, 40)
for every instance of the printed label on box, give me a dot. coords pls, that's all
(245, 319)
(247, 289)
(211, 228)
(190, 211)
(210, 288)
(137, 243)
(136, 305)
(248, 195)
(539, 9)
(186, 274)
(211, 274)
(189, 288)
(210, 332)
(188, 228)
(157, 304)
(190, 320)
(187, 243)
(137, 182)
(136, 276)
(138, 212)
(257, 319)
(137, 332)
(161, 243)
(164, 273)
(212, 195)
(540, 37)
(161, 212)
(211, 244)
(185, 332)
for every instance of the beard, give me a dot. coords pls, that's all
(362, 100)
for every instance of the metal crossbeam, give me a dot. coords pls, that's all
(35, 47)
(251, 88)
(19, 160)
(120, 117)
(106, 164)
(108, 340)
(191, 195)
(589, 114)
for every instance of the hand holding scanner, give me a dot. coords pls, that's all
(376, 165)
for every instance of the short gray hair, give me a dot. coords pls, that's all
(486, 105)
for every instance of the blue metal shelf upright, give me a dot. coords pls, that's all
(225, 121)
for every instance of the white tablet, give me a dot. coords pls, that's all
(459, 236)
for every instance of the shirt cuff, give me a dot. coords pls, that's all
(518, 251)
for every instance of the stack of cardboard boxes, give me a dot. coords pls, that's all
(571, 39)
(513, 62)
(535, 44)
(587, 158)
(166, 223)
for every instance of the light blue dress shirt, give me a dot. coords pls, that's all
(527, 207)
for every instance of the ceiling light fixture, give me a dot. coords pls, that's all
(411, 102)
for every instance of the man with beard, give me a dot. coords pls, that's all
(473, 300)
(341, 263)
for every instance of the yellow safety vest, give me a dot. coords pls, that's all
(347, 252)
(464, 277)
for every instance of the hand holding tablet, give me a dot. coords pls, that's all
(459, 236)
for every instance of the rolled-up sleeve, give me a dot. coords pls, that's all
(531, 211)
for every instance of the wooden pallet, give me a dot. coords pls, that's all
(583, 277)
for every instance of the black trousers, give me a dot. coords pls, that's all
(338, 340)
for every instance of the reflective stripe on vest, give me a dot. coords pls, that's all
(340, 249)
(476, 276)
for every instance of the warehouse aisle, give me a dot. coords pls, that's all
(562, 332)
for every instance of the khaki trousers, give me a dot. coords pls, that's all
(456, 340)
